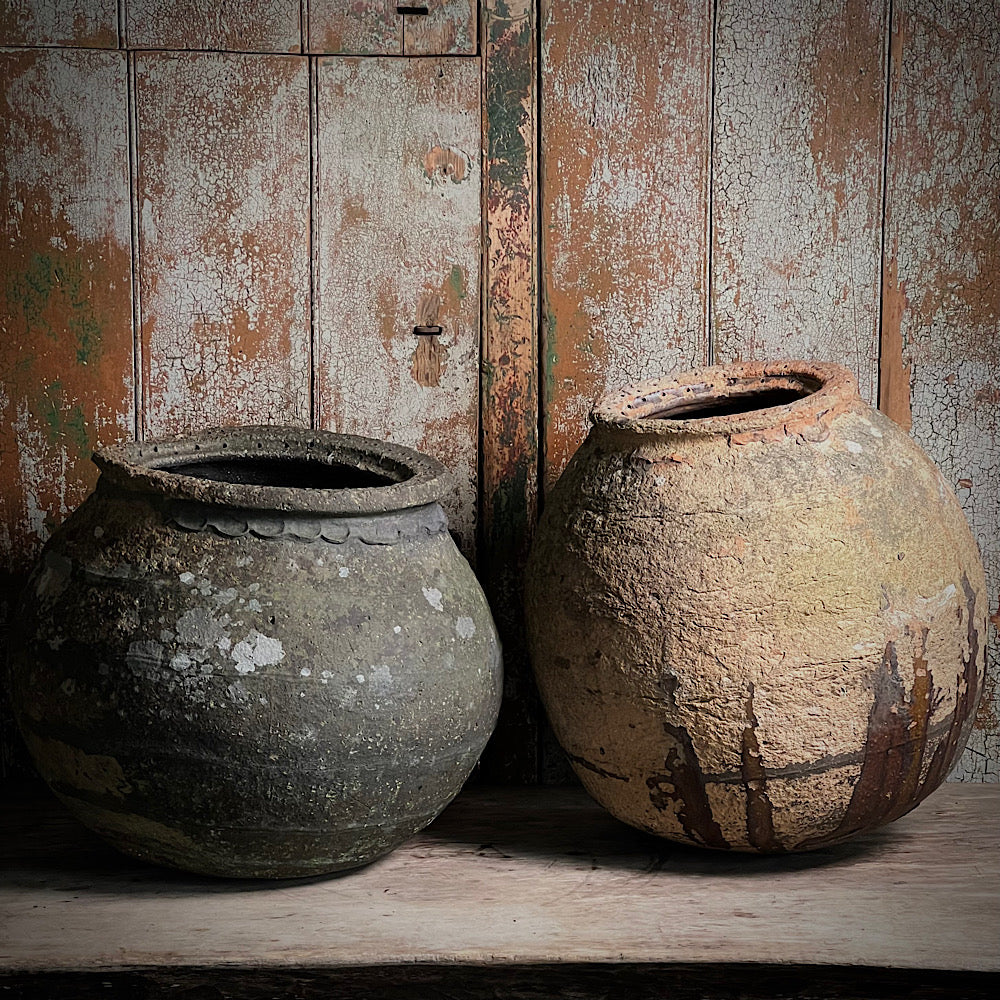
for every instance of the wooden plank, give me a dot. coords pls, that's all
(525, 877)
(941, 347)
(797, 194)
(448, 28)
(625, 151)
(88, 23)
(223, 195)
(398, 245)
(361, 27)
(66, 357)
(238, 25)
(510, 369)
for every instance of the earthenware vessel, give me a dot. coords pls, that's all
(257, 652)
(756, 613)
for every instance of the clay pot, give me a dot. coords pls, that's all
(756, 613)
(257, 652)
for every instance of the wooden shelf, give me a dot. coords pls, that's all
(517, 878)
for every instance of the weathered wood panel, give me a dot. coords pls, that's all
(66, 334)
(625, 152)
(398, 244)
(90, 23)
(510, 362)
(358, 27)
(66, 358)
(240, 25)
(797, 191)
(941, 334)
(223, 196)
(448, 28)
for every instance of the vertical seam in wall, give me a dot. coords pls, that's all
(484, 277)
(314, 280)
(710, 201)
(121, 25)
(884, 180)
(540, 283)
(304, 39)
(139, 388)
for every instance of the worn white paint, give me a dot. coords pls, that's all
(91, 23)
(398, 244)
(224, 266)
(797, 195)
(236, 25)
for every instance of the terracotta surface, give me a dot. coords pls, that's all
(756, 613)
(257, 652)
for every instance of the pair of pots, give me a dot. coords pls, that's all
(756, 614)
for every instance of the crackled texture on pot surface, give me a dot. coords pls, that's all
(288, 683)
(760, 630)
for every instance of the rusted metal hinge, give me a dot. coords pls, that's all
(428, 331)
(412, 8)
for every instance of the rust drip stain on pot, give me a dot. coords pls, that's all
(760, 818)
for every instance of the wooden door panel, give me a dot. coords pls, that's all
(941, 306)
(360, 27)
(398, 245)
(223, 196)
(238, 25)
(797, 182)
(625, 151)
(87, 23)
(448, 28)
(66, 349)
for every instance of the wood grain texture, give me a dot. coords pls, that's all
(521, 877)
(223, 197)
(797, 192)
(358, 27)
(89, 23)
(510, 368)
(238, 25)
(624, 202)
(448, 28)
(66, 306)
(398, 245)
(941, 344)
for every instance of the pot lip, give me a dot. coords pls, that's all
(144, 466)
(830, 389)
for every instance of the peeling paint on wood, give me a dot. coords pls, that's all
(65, 298)
(223, 197)
(89, 23)
(943, 242)
(448, 28)
(625, 151)
(238, 25)
(358, 27)
(797, 195)
(393, 236)
(510, 368)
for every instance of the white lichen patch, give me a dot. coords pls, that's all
(380, 679)
(257, 650)
(343, 572)
(433, 596)
(853, 447)
(305, 672)
(465, 627)
(187, 579)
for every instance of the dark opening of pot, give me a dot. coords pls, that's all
(739, 397)
(295, 473)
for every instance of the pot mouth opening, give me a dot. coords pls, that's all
(743, 396)
(291, 473)
(740, 395)
(280, 469)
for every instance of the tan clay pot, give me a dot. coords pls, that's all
(756, 613)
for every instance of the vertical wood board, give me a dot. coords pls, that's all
(360, 27)
(65, 326)
(797, 182)
(448, 28)
(510, 368)
(223, 199)
(941, 334)
(624, 201)
(398, 244)
(240, 25)
(88, 23)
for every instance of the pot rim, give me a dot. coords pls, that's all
(824, 388)
(144, 466)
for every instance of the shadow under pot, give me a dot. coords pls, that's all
(756, 613)
(257, 652)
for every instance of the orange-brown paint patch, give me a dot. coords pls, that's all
(894, 375)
